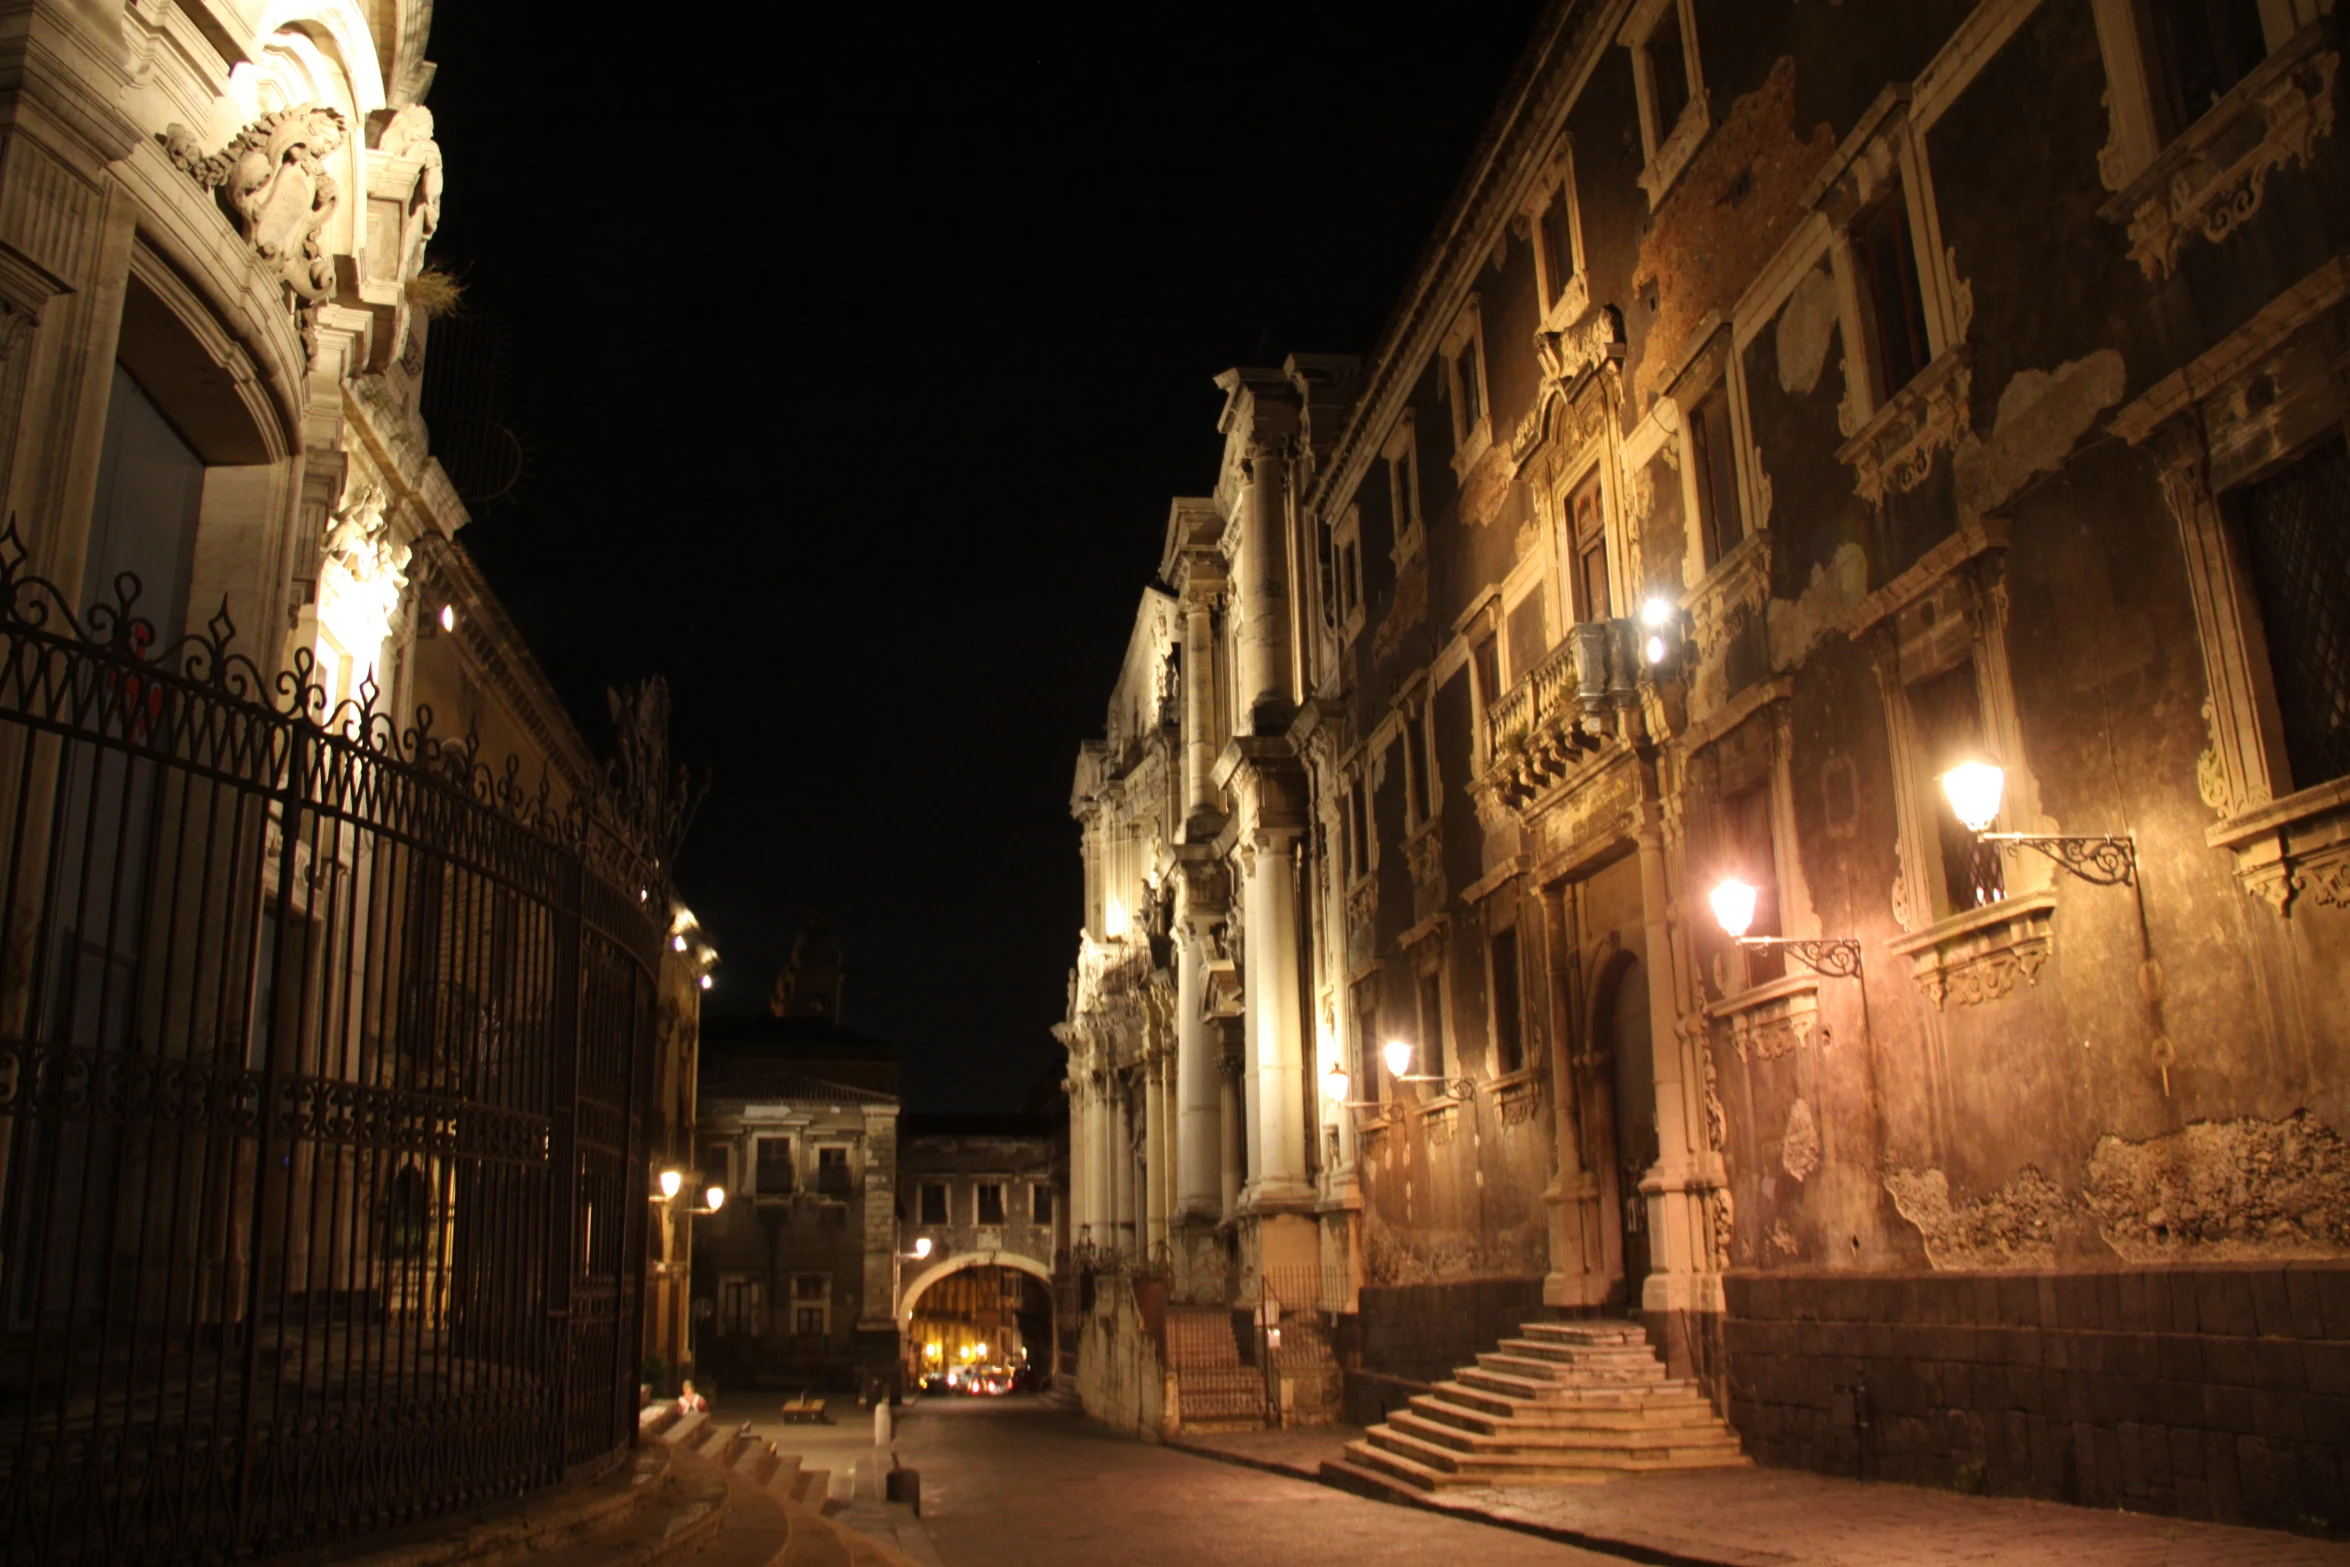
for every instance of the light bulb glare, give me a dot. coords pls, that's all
(671, 1181)
(1398, 1056)
(1335, 1084)
(922, 1248)
(715, 1198)
(1655, 650)
(706, 982)
(448, 617)
(1656, 614)
(1974, 790)
(1733, 905)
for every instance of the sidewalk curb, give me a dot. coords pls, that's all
(1374, 1490)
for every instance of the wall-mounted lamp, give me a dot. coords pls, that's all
(1397, 1053)
(706, 982)
(1837, 957)
(921, 1249)
(713, 1199)
(1975, 790)
(1661, 632)
(670, 1181)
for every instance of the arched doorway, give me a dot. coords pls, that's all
(972, 1314)
(1604, 1250)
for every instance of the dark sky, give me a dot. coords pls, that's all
(857, 357)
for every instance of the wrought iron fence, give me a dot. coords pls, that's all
(324, 1061)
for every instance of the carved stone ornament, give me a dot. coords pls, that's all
(272, 181)
(1894, 451)
(2294, 850)
(407, 132)
(2212, 179)
(1566, 357)
(1519, 1099)
(1774, 1020)
(1985, 954)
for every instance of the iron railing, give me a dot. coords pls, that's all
(324, 1064)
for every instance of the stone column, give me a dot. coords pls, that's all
(1199, 1107)
(1263, 590)
(1105, 1184)
(1200, 804)
(1228, 1143)
(1278, 1171)
(1080, 1158)
(1121, 1129)
(1154, 1155)
(1667, 1185)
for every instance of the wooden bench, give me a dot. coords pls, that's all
(807, 1409)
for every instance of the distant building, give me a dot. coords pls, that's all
(986, 1191)
(797, 1121)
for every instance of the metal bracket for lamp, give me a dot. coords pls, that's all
(1456, 1087)
(1837, 957)
(2103, 860)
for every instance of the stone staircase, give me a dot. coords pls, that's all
(1567, 1402)
(1214, 1391)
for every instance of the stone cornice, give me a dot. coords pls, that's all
(504, 659)
(1547, 77)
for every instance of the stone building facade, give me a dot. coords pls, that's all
(796, 1120)
(989, 1194)
(1787, 411)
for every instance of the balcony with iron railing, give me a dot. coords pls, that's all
(1560, 714)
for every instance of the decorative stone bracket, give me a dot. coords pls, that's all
(1894, 451)
(273, 182)
(2212, 179)
(2299, 845)
(1773, 1020)
(1982, 954)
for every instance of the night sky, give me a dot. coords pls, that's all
(856, 358)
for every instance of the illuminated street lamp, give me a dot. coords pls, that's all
(1975, 790)
(1837, 957)
(672, 1180)
(1398, 1055)
(713, 1199)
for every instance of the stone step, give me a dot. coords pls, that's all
(1499, 1467)
(1507, 1396)
(1537, 1369)
(785, 1476)
(1565, 1354)
(1591, 1330)
(1553, 1417)
(757, 1460)
(685, 1428)
(1631, 1440)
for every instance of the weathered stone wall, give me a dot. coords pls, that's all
(2219, 1391)
(1422, 1331)
(1122, 1363)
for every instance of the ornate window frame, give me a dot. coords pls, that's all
(1557, 306)
(1948, 609)
(1470, 441)
(1892, 433)
(2245, 408)
(1665, 149)
(1346, 566)
(1403, 487)
(2209, 178)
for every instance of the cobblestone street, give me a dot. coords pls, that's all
(1021, 1481)
(1016, 1483)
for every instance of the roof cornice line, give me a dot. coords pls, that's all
(1571, 35)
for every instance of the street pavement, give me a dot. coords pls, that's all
(1016, 1482)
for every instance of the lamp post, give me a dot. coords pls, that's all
(1975, 790)
(1835, 957)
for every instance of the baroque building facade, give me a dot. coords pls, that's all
(346, 1000)
(1524, 864)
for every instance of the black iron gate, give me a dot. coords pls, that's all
(324, 1060)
